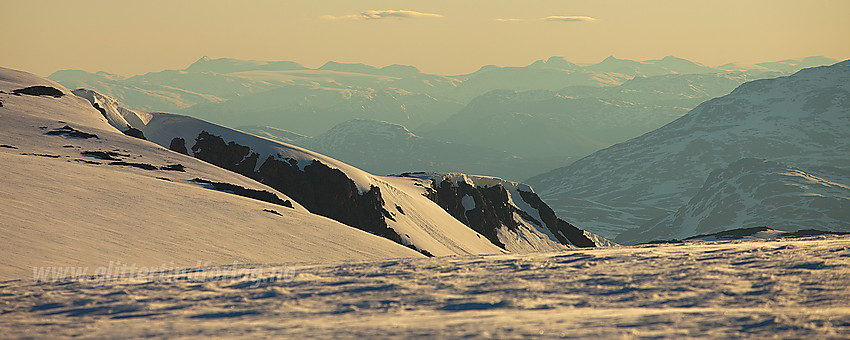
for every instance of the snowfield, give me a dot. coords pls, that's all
(784, 288)
(67, 200)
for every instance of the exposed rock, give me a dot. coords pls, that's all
(491, 207)
(320, 189)
(144, 166)
(71, 132)
(178, 144)
(41, 155)
(134, 132)
(86, 161)
(273, 212)
(39, 90)
(260, 195)
(173, 167)
(562, 230)
(97, 106)
(104, 155)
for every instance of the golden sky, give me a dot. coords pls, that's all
(438, 36)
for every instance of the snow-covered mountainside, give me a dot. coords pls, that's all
(801, 120)
(753, 192)
(509, 214)
(389, 207)
(385, 148)
(78, 192)
(392, 207)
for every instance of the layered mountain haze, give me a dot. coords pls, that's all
(649, 68)
(585, 109)
(387, 148)
(316, 108)
(555, 128)
(801, 120)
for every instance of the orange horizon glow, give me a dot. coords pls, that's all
(440, 36)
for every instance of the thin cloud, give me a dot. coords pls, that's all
(375, 15)
(569, 18)
(509, 20)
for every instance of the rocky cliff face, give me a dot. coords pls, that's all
(319, 188)
(489, 206)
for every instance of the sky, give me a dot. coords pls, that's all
(437, 36)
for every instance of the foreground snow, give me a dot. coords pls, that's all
(798, 288)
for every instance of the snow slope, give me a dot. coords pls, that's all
(423, 225)
(754, 193)
(787, 289)
(801, 120)
(63, 202)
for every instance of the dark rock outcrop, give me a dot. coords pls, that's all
(565, 233)
(104, 155)
(41, 155)
(179, 145)
(39, 90)
(260, 195)
(68, 131)
(143, 166)
(134, 132)
(99, 108)
(494, 209)
(273, 212)
(319, 188)
(173, 167)
(491, 211)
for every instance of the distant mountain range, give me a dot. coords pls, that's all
(543, 115)
(697, 174)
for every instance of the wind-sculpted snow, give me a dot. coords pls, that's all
(734, 289)
(801, 120)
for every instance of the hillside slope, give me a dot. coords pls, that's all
(751, 193)
(801, 120)
(77, 192)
